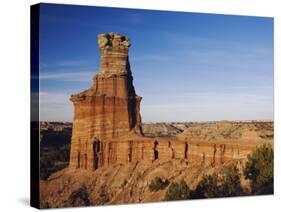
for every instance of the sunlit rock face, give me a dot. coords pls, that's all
(110, 108)
(107, 123)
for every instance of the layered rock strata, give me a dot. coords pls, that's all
(129, 150)
(107, 122)
(110, 108)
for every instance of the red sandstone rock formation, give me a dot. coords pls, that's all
(107, 132)
(107, 123)
(110, 108)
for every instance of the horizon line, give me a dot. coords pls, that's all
(222, 120)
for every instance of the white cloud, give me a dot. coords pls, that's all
(69, 63)
(55, 106)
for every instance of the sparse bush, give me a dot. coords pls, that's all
(177, 191)
(158, 184)
(259, 169)
(79, 197)
(224, 184)
(230, 182)
(103, 196)
(207, 187)
(54, 151)
(53, 159)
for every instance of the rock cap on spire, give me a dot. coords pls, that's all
(113, 39)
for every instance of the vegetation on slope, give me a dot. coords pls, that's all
(259, 169)
(223, 184)
(54, 151)
(158, 184)
(177, 191)
(229, 130)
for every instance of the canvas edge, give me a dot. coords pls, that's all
(34, 106)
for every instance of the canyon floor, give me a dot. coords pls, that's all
(129, 183)
(119, 184)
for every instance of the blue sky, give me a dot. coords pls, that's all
(186, 66)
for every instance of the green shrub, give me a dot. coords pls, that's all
(54, 151)
(230, 182)
(207, 187)
(177, 191)
(79, 197)
(53, 159)
(103, 196)
(224, 184)
(158, 184)
(259, 169)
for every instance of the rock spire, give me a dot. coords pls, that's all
(110, 108)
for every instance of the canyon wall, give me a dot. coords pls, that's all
(147, 149)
